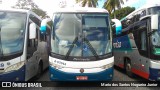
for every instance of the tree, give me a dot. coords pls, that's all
(39, 12)
(29, 5)
(121, 13)
(25, 4)
(111, 5)
(89, 3)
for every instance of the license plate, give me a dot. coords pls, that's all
(82, 77)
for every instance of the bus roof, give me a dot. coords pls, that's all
(20, 10)
(15, 10)
(143, 7)
(81, 9)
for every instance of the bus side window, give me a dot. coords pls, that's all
(140, 34)
(143, 40)
(149, 11)
(143, 13)
(32, 45)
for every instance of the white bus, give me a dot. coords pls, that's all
(22, 54)
(80, 45)
(137, 47)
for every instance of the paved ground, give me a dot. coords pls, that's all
(119, 75)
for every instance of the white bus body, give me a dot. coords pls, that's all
(81, 45)
(22, 54)
(137, 47)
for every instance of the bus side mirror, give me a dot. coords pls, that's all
(32, 31)
(154, 22)
(43, 29)
(118, 26)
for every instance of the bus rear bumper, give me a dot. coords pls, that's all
(56, 75)
(18, 75)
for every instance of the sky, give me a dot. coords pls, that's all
(7, 3)
(139, 3)
(51, 5)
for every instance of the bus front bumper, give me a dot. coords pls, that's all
(18, 75)
(154, 74)
(56, 75)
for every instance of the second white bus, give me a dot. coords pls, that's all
(22, 54)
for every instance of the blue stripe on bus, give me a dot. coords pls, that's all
(64, 76)
(154, 74)
(11, 76)
(122, 43)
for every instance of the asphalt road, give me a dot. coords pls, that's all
(119, 75)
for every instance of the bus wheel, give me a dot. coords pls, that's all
(128, 68)
(39, 71)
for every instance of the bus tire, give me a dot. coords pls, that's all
(39, 71)
(128, 68)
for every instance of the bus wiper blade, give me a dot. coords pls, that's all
(70, 49)
(91, 48)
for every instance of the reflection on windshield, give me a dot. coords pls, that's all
(92, 30)
(156, 43)
(12, 26)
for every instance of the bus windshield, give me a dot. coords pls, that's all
(153, 10)
(156, 40)
(81, 34)
(12, 27)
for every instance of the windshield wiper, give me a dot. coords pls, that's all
(91, 48)
(87, 42)
(70, 49)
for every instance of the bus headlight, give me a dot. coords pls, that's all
(14, 67)
(107, 66)
(55, 65)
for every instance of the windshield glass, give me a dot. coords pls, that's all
(156, 43)
(155, 40)
(81, 34)
(12, 26)
(153, 10)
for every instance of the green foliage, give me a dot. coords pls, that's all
(122, 12)
(111, 5)
(29, 5)
(89, 3)
(39, 12)
(25, 4)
